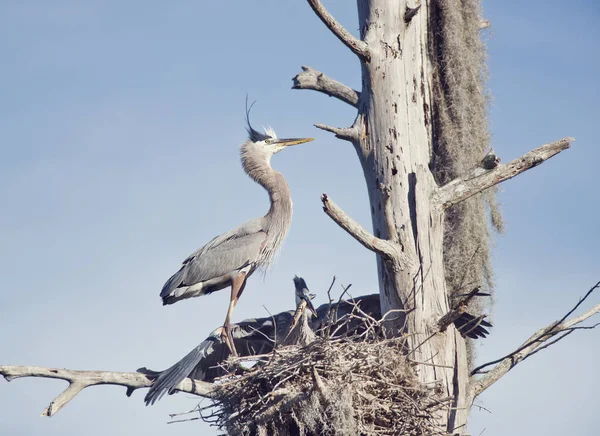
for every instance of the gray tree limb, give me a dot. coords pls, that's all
(79, 380)
(541, 339)
(379, 246)
(345, 133)
(358, 47)
(480, 179)
(310, 78)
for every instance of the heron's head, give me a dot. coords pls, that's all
(266, 144)
(303, 294)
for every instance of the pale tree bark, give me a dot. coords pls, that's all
(393, 138)
(394, 143)
(79, 380)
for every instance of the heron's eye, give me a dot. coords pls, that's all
(267, 141)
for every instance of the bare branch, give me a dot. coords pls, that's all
(79, 380)
(458, 310)
(358, 47)
(345, 133)
(380, 246)
(539, 340)
(480, 179)
(310, 78)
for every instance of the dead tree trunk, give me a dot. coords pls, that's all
(392, 135)
(401, 135)
(394, 145)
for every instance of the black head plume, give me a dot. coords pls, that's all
(254, 135)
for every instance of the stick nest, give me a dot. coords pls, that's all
(329, 387)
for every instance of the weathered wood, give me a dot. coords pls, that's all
(385, 248)
(357, 46)
(346, 133)
(310, 78)
(393, 137)
(79, 380)
(480, 179)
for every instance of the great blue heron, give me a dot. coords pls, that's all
(258, 336)
(251, 337)
(229, 259)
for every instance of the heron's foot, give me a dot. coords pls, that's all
(228, 339)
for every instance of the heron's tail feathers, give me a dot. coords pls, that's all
(168, 380)
(183, 293)
(174, 290)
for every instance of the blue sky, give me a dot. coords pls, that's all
(119, 128)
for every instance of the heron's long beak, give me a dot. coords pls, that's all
(293, 141)
(309, 305)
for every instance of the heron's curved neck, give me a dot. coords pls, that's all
(260, 170)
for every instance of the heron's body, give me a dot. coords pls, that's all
(212, 267)
(229, 259)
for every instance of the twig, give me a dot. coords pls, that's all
(540, 339)
(272, 354)
(310, 78)
(79, 380)
(344, 292)
(458, 310)
(430, 364)
(479, 179)
(358, 47)
(329, 310)
(421, 344)
(377, 245)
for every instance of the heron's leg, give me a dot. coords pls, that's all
(237, 287)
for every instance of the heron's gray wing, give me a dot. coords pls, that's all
(224, 258)
(248, 228)
(369, 304)
(217, 261)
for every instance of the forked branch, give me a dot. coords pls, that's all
(541, 339)
(480, 179)
(310, 78)
(382, 247)
(357, 46)
(79, 380)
